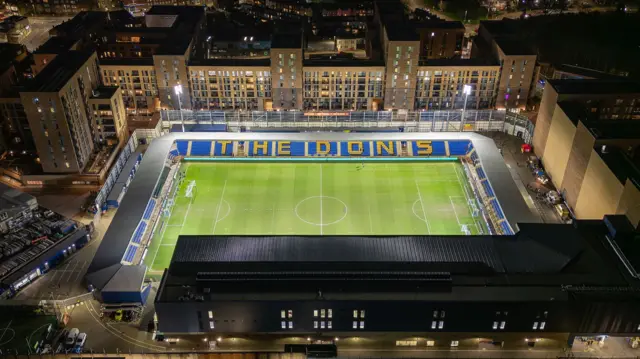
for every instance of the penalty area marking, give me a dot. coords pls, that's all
(4, 341)
(344, 213)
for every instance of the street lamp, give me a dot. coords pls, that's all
(178, 91)
(466, 90)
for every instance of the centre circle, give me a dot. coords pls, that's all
(321, 210)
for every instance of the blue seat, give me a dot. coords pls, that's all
(137, 235)
(149, 209)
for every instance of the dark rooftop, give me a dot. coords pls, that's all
(56, 45)
(596, 86)
(620, 164)
(438, 24)
(133, 61)
(286, 41)
(78, 25)
(585, 72)
(396, 24)
(56, 74)
(104, 92)
(513, 46)
(230, 62)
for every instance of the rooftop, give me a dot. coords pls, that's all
(286, 41)
(513, 46)
(56, 45)
(585, 72)
(104, 92)
(438, 24)
(58, 72)
(596, 86)
(476, 61)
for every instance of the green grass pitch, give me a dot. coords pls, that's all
(313, 198)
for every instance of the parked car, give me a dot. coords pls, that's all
(71, 337)
(82, 337)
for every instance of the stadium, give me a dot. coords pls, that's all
(242, 230)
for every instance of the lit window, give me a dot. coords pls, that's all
(362, 314)
(282, 314)
(495, 325)
(315, 313)
(355, 313)
(315, 324)
(283, 325)
(434, 324)
(535, 325)
(329, 324)
(502, 324)
(329, 313)
(362, 325)
(454, 343)
(67, 164)
(542, 325)
(435, 313)
(290, 313)
(322, 325)
(322, 313)
(355, 325)
(290, 325)
(211, 325)
(441, 324)
(210, 314)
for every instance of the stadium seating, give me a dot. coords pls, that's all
(173, 154)
(505, 228)
(163, 177)
(130, 253)
(182, 147)
(487, 189)
(458, 148)
(149, 209)
(137, 235)
(481, 173)
(496, 209)
(200, 148)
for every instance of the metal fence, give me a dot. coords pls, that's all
(410, 121)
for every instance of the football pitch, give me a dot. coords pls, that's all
(316, 198)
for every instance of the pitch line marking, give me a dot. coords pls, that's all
(346, 209)
(426, 221)
(164, 228)
(4, 331)
(215, 224)
(370, 220)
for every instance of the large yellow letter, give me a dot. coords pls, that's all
(388, 146)
(354, 151)
(323, 148)
(223, 146)
(284, 148)
(264, 146)
(424, 147)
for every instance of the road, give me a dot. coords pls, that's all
(40, 27)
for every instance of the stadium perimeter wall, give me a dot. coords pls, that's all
(134, 203)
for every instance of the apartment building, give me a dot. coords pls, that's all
(440, 84)
(137, 80)
(591, 156)
(109, 116)
(440, 39)
(518, 71)
(230, 85)
(57, 107)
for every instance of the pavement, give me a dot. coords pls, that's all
(40, 27)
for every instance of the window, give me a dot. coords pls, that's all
(431, 343)
(542, 325)
(290, 313)
(355, 313)
(322, 325)
(283, 324)
(211, 325)
(290, 325)
(315, 313)
(329, 313)
(362, 325)
(441, 324)
(535, 325)
(282, 314)
(322, 313)
(434, 324)
(495, 325)
(355, 325)
(502, 324)
(454, 343)
(362, 314)
(210, 314)
(315, 324)
(329, 325)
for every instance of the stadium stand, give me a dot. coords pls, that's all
(137, 236)
(130, 253)
(200, 148)
(182, 146)
(163, 178)
(149, 209)
(487, 189)
(458, 148)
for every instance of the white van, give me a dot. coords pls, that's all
(71, 337)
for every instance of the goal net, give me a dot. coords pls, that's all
(191, 187)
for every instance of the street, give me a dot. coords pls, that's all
(40, 27)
